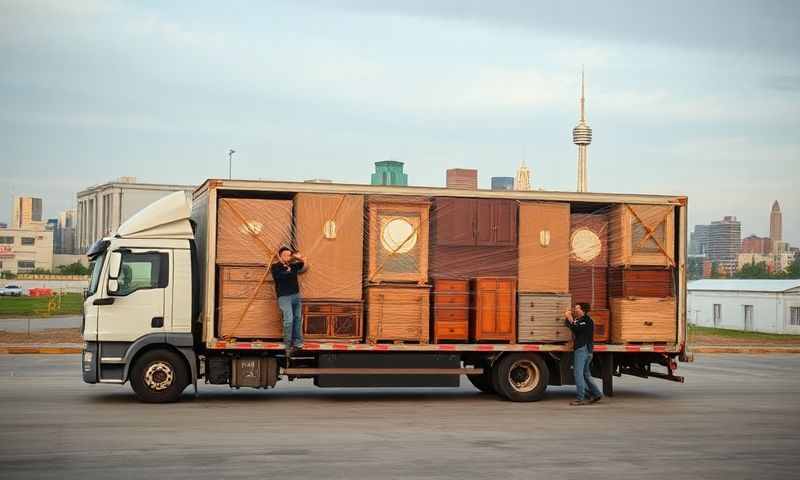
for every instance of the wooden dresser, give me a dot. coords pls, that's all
(494, 309)
(398, 313)
(643, 319)
(541, 317)
(248, 306)
(450, 310)
(332, 321)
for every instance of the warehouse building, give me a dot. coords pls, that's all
(769, 306)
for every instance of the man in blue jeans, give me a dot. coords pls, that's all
(284, 272)
(582, 327)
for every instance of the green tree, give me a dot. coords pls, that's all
(793, 270)
(694, 267)
(73, 269)
(754, 270)
(715, 273)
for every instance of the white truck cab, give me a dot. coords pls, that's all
(138, 309)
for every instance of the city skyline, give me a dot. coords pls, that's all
(162, 94)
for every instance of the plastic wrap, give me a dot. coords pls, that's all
(387, 268)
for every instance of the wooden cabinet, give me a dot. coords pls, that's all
(463, 222)
(450, 310)
(589, 285)
(643, 319)
(642, 235)
(641, 282)
(541, 317)
(588, 240)
(247, 306)
(602, 328)
(250, 231)
(398, 313)
(544, 247)
(398, 241)
(329, 230)
(494, 311)
(340, 321)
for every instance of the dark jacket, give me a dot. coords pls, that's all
(286, 278)
(583, 329)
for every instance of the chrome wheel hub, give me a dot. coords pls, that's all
(159, 376)
(523, 376)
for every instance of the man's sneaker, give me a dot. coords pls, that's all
(577, 403)
(595, 399)
(298, 346)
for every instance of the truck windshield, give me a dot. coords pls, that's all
(95, 266)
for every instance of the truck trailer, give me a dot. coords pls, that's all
(407, 287)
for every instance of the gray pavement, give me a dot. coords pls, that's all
(39, 323)
(736, 417)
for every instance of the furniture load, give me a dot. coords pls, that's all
(641, 282)
(250, 231)
(643, 319)
(332, 321)
(473, 238)
(493, 308)
(601, 319)
(450, 310)
(544, 247)
(329, 230)
(247, 304)
(588, 240)
(642, 235)
(541, 317)
(398, 240)
(398, 313)
(589, 285)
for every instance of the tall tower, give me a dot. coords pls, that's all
(775, 225)
(523, 179)
(582, 137)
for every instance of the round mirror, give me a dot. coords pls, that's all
(586, 245)
(398, 235)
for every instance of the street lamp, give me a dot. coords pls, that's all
(230, 162)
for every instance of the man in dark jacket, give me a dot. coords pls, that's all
(284, 272)
(582, 328)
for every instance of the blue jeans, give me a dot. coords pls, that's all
(583, 375)
(291, 309)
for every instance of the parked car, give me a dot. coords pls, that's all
(11, 291)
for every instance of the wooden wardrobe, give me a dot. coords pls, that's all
(494, 309)
(544, 247)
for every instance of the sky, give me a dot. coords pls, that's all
(684, 97)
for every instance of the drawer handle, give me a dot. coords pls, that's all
(648, 324)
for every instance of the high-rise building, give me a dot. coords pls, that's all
(724, 241)
(698, 240)
(463, 178)
(775, 225)
(756, 244)
(27, 214)
(103, 208)
(582, 137)
(389, 172)
(503, 183)
(522, 181)
(64, 236)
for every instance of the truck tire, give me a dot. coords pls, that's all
(521, 377)
(159, 376)
(483, 382)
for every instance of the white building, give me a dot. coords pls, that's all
(769, 306)
(102, 208)
(25, 250)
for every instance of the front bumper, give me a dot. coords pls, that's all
(89, 362)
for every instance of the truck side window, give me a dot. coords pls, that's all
(142, 271)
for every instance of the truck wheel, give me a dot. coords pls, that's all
(159, 376)
(521, 377)
(483, 382)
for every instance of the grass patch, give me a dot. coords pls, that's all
(37, 306)
(738, 334)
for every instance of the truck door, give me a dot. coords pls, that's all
(138, 284)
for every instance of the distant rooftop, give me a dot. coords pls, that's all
(744, 285)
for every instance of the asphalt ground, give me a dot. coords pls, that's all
(735, 417)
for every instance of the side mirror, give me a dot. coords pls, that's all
(114, 264)
(113, 285)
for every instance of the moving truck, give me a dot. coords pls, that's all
(406, 287)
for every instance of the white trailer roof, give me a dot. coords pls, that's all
(736, 285)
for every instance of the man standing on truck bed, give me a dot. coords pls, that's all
(582, 327)
(285, 271)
